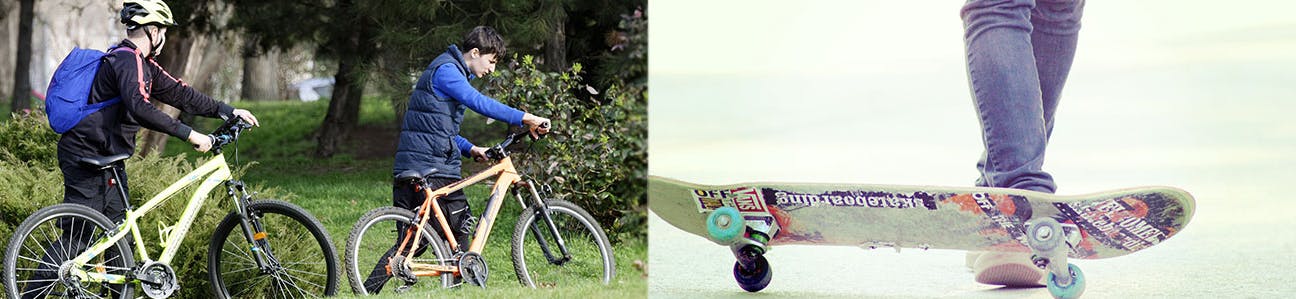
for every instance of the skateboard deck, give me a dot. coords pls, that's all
(1110, 224)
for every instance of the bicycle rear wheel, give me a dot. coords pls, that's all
(538, 258)
(50, 237)
(372, 241)
(299, 260)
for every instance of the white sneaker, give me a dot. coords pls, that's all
(1005, 269)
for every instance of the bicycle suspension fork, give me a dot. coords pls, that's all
(253, 232)
(542, 211)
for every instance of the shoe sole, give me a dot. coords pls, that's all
(1010, 275)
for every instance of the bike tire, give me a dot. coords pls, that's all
(580, 232)
(287, 246)
(121, 255)
(358, 266)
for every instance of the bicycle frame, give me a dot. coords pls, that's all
(216, 171)
(508, 176)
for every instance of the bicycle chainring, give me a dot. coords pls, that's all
(157, 280)
(473, 269)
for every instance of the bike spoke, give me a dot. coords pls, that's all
(292, 280)
(282, 286)
(305, 272)
(41, 292)
(241, 253)
(50, 245)
(246, 269)
(251, 281)
(53, 266)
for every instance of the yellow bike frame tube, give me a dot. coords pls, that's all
(219, 172)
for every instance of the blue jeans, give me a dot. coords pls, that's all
(1018, 55)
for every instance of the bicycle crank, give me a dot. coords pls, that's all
(473, 269)
(158, 280)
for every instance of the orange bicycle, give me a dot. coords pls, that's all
(555, 242)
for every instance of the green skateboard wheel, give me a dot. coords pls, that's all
(725, 225)
(1071, 291)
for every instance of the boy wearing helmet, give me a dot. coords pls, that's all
(128, 72)
(429, 136)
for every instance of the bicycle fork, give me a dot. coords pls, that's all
(253, 232)
(542, 211)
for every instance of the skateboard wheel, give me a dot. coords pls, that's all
(1069, 291)
(725, 225)
(755, 278)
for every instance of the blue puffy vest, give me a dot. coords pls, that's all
(431, 123)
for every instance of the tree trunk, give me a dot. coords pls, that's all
(260, 73)
(176, 61)
(348, 89)
(22, 68)
(343, 108)
(556, 46)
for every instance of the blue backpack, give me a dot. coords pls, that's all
(66, 100)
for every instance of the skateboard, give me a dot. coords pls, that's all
(752, 217)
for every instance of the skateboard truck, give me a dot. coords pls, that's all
(727, 227)
(1045, 237)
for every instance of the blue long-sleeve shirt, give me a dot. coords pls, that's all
(448, 82)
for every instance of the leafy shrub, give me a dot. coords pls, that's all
(596, 154)
(26, 136)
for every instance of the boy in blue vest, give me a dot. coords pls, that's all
(429, 136)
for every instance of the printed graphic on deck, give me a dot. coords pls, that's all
(1122, 223)
(745, 199)
(860, 199)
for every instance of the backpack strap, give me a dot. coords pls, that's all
(115, 100)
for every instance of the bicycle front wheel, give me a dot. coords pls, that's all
(46, 241)
(291, 255)
(538, 256)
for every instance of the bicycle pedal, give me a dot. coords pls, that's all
(404, 288)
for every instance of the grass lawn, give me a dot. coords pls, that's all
(339, 190)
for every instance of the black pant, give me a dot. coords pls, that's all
(455, 208)
(88, 187)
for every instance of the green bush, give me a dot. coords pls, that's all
(29, 184)
(28, 137)
(596, 155)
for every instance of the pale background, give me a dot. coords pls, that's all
(1194, 94)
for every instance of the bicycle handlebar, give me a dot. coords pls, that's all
(497, 152)
(227, 133)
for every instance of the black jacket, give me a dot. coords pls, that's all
(138, 81)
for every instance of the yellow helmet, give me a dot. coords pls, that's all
(137, 13)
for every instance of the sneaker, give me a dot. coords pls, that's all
(1005, 269)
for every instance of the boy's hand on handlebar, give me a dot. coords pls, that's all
(201, 142)
(247, 117)
(478, 153)
(538, 125)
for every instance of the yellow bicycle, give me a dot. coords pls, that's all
(72, 251)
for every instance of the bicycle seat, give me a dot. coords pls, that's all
(415, 174)
(101, 162)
